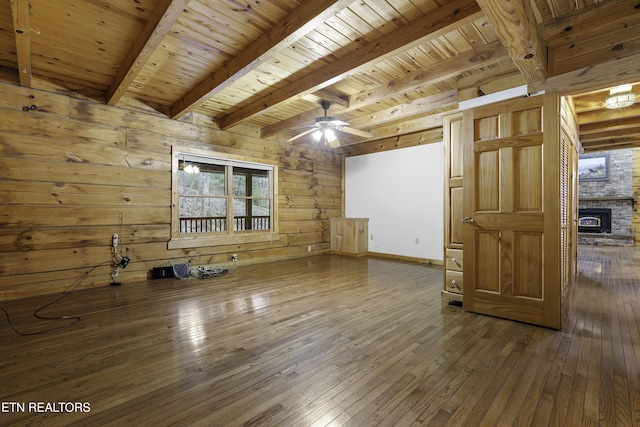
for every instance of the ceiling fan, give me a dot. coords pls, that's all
(325, 129)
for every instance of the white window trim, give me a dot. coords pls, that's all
(182, 241)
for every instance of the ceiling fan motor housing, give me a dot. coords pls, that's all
(325, 106)
(324, 121)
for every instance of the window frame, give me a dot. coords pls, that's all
(229, 236)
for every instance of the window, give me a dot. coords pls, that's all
(221, 199)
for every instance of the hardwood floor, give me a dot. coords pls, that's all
(325, 341)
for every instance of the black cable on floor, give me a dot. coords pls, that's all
(74, 319)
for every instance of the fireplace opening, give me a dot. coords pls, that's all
(594, 220)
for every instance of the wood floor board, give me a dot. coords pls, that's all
(463, 402)
(508, 407)
(434, 382)
(472, 374)
(545, 384)
(622, 407)
(437, 390)
(606, 404)
(327, 341)
(431, 392)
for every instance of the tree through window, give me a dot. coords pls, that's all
(217, 196)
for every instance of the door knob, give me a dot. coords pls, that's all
(468, 219)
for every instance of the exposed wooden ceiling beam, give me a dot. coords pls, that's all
(432, 123)
(337, 103)
(406, 127)
(604, 114)
(22, 32)
(489, 80)
(610, 125)
(301, 21)
(440, 100)
(591, 102)
(546, 14)
(299, 120)
(392, 143)
(607, 134)
(613, 144)
(473, 59)
(163, 17)
(432, 25)
(516, 27)
(593, 77)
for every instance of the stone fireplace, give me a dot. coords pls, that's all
(605, 201)
(594, 220)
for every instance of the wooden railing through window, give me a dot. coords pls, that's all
(203, 224)
(214, 224)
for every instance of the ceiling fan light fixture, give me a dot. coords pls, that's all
(620, 97)
(326, 135)
(329, 134)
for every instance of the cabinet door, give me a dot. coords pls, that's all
(337, 235)
(453, 192)
(511, 206)
(453, 225)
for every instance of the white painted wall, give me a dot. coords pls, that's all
(402, 193)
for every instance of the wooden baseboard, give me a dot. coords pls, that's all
(426, 261)
(359, 254)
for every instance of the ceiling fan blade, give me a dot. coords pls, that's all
(300, 135)
(357, 132)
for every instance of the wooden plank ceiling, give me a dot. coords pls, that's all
(389, 67)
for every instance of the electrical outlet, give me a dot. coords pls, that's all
(234, 257)
(309, 248)
(114, 240)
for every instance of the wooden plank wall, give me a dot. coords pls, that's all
(635, 167)
(71, 168)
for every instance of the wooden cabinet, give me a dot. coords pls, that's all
(453, 219)
(349, 236)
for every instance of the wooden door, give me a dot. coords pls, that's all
(511, 208)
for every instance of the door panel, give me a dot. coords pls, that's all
(456, 226)
(488, 181)
(528, 178)
(511, 208)
(488, 274)
(456, 149)
(527, 272)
